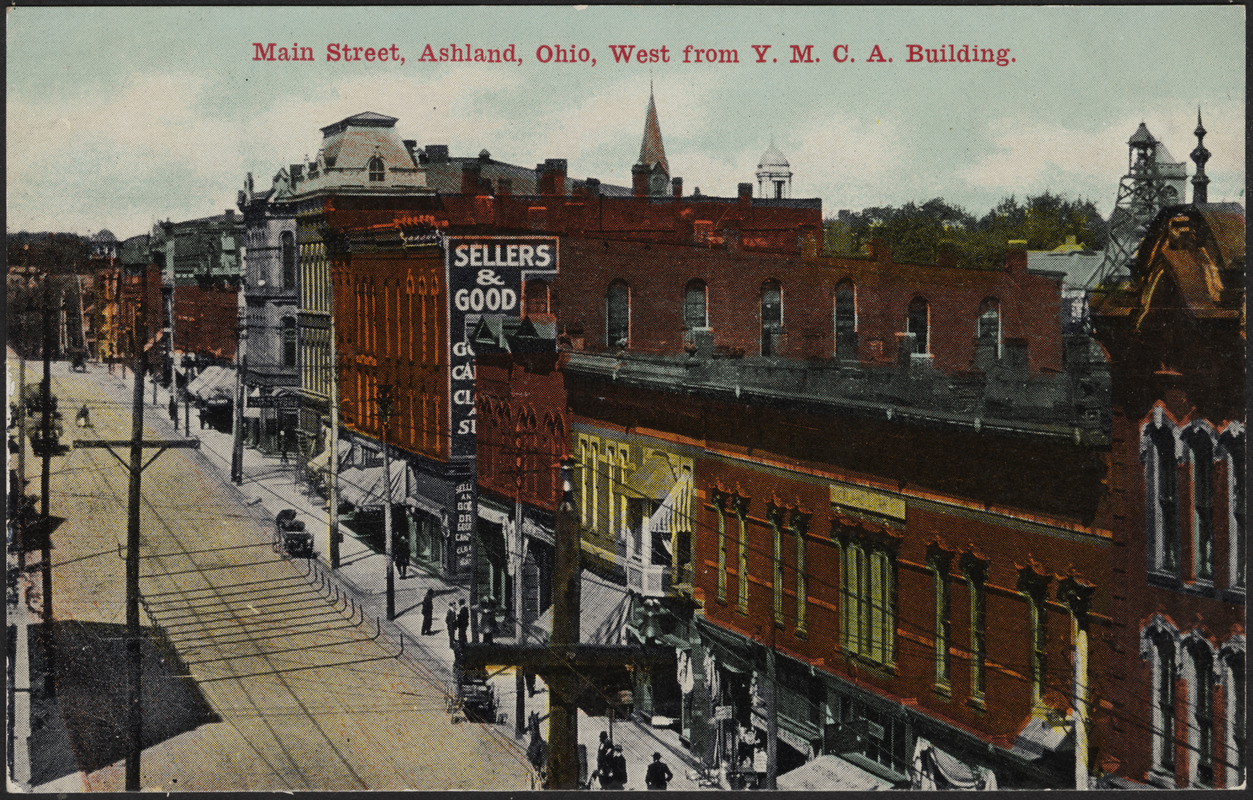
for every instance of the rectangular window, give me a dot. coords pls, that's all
(1035, 606)
(776, 583)
(942, 627)
(722, 551)
(742, 598)
(585, 487)
(802, 581)
(978, 632)
(869, 600)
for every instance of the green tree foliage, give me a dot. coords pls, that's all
(920, 233)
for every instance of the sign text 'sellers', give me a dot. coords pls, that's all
(485, 276)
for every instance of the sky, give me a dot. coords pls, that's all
(120, 116)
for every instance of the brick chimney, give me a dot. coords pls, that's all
(470, 175)
(437, 153)
(745, 193)
(677, 185)
(639, 180)
(592, 187)
(1016, 256)
(550, 177)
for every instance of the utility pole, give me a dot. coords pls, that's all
(385, 398)
(136, 466)
(21, 442)
(333, 465)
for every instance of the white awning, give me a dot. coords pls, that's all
(364, 488)
(604, 608)
(675, 512)
(830, 773)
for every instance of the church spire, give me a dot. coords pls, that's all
(1200, 182)
(652, 151)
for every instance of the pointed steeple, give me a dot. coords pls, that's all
(652, 151)
(1200, 182)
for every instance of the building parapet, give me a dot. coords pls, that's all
(1001, 400)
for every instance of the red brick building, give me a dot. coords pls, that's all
(1175, 333)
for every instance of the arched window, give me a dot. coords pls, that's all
(695, 305)
(618, 315)
(288, 241)
(917, 321)
(376, 169)
(1161, 650)
(846, 320)
(771, 316)
(988, 328)
(1232, 444)
(1201, 711)
(1161, 480)
(289, 341)
(1235, 734)
(1201, 462)
(537, 297)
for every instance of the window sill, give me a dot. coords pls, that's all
(1161, 779)
(942, 691)
(977, 703)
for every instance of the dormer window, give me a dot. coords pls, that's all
(376, 169)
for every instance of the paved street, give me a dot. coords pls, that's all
(301, 686)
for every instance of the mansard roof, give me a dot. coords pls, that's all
(366, 119)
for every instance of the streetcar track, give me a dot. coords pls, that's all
(201, 599)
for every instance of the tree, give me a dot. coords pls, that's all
(919, 233)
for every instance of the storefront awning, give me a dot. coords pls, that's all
(214, 385)
(364, 488)
(604, 609)
(1040, 737)
(675, 511)
(830, 773)
(653, 480)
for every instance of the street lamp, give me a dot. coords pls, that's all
(385, 399)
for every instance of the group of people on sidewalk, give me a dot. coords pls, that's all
(611, 768)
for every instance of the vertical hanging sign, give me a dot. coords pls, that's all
(485, 275)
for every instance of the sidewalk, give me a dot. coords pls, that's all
(270, 486)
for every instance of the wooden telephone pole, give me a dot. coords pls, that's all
(135, 467)
(567, 666)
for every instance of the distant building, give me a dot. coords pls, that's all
(774, 174)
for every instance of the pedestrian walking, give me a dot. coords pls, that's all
(529, 677)
(658, 774)
(450, 624)
(488, 623)
(173, 408)
(428, 608)
(617, 770)
(463, 622)
(400, 552)
(83, 418)
(283, 441)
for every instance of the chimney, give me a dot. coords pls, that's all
(411, 147)
(677, 184)
(230, 215)
(504, 187)
(745, 193)
(639, 180)
(437, 153)
(1016, 256)
(297, 174)
(551, 176)
(470, 178)
(592, 185)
